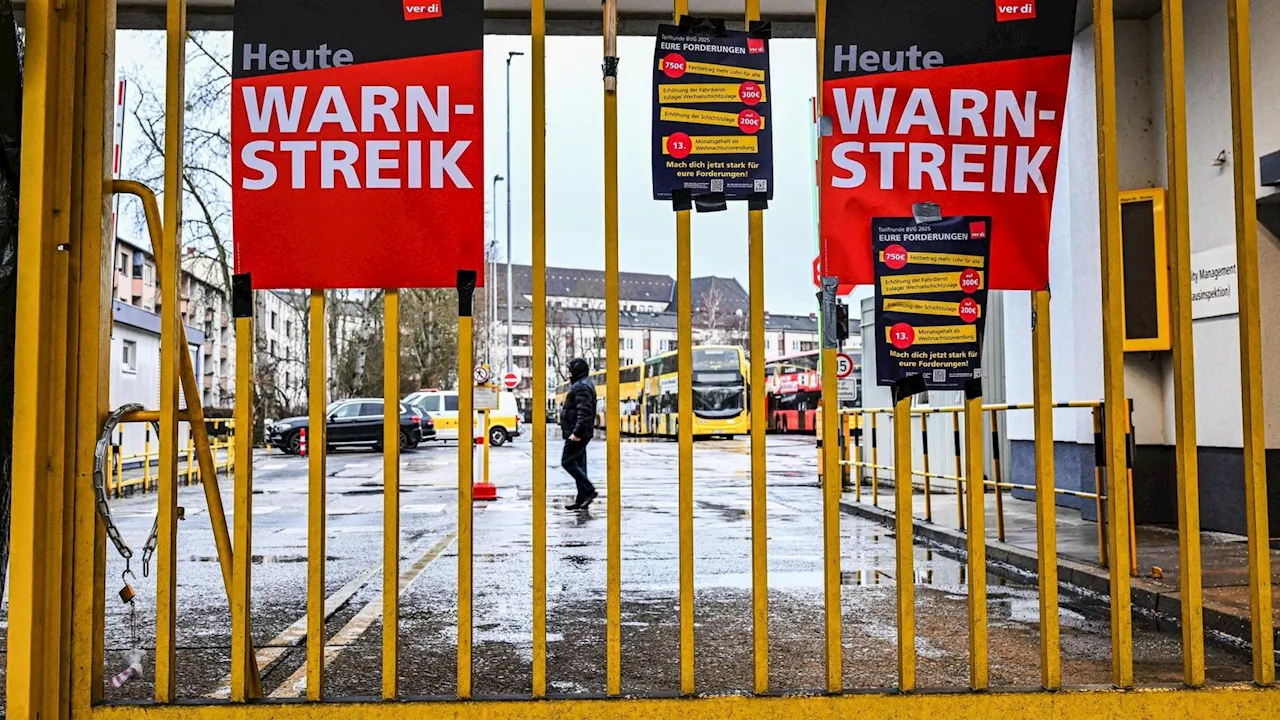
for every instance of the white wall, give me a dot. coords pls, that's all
(1074, 252)
(143, 386)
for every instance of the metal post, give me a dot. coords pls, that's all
(997, 474)
(490, 297)
(1255, 466)
(391, 494)
(466, 455)
(316, 454)
(1190, 583)
(241, 592)
(976, 538)
(1113, 336)
(613, 462)
(924, 445)
(510, 55)
(538, 20)
(904, 555)
(1046, 520)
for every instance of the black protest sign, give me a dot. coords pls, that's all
(712, 132)
(931, 296)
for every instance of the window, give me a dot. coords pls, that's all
(274, 320)
(451, 403)
(348, 410)
(273, 347)
(124, 262)
(768, 344)
(808, 346)
(795, 344)
(288, 329)
(129, 356)
(146, 274)
(598, 342)
(430, 403)
(371, 409)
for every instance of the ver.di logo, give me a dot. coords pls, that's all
(1007, 10)
(422, 9)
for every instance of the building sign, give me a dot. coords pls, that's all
(931, 297)
(1214, 283)
(712, 130)
(958, 103)
(357, 142)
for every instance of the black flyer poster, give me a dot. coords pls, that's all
(711, 124)
(931, 296)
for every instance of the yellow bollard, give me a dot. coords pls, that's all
(190, 449)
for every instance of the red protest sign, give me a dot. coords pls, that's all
(942, 103)
(357, 143)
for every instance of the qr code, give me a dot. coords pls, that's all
(717, 185)
(939, 375)
(762, 185)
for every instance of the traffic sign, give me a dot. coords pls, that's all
(480, 375)
(847, 388)
(844, 366)
(511, 379)
(484, 398)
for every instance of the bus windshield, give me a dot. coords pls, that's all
(718, 400)
(715, 359)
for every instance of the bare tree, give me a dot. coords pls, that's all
(719, 324)
(429, 339)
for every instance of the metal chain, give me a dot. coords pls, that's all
(100, 491)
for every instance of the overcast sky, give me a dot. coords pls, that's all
(575, 163)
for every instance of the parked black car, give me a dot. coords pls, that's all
(354, 422)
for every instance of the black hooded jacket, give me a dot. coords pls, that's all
(578, 415)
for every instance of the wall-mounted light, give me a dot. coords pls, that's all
(1221, 159)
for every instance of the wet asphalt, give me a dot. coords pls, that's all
(576, 578)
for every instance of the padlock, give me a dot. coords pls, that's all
(127, 594)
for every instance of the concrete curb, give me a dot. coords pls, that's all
(1221, 622)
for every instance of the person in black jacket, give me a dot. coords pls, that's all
(577, 426)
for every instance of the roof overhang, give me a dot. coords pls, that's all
(791, 18)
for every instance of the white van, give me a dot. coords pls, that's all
(442, 405)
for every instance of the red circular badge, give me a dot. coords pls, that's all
(750, 93)
(749, 121)
(902, 336)
(970, 281)
(673, 65)
(968, 310)
(895, 256)
(679, 145)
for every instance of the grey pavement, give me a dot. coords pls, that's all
(576, 581)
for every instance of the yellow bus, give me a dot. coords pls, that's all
(719, 393)
(649, 394)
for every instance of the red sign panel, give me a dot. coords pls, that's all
(942, 103)
(357, 143)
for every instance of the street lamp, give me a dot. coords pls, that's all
(510, 55)
(491, 298)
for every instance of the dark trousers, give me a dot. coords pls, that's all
(574, 461)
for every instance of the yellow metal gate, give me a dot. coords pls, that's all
(58, 583)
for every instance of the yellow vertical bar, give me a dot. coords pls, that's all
(1046, 519)
(538, 71)
(466, 455)
(1098, 499)
(1128, 479)
(759, 447)
(977, 540)
(391, 495)
(44, 105)
(169, 273)
(317, 400)
(146, 458)
(1190, 590)
(1255, 468)
(924, 445)
(190, 458)
(904, 555)
(857, 457)
(684, 355)
(241, 558)
(1112, 338)
(831, 459)
(613, 444)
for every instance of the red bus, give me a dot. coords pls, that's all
(793, 387)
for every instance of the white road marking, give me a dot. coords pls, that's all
(356, 465)
(265, 509)
(422, 509)
(273, 466)
(296, 684)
